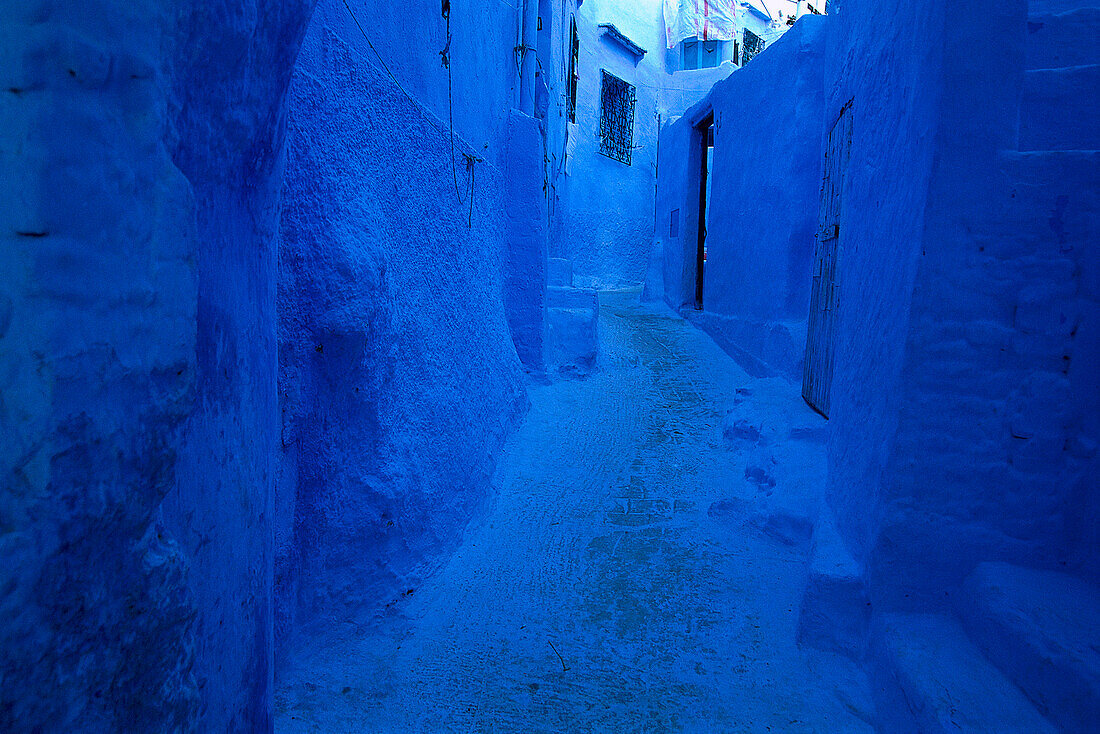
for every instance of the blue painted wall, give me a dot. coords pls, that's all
(141, 151)
(962, 428)
(606, 210)
(999, 385)
(162, 372)
(398, 375)
(884, 63)
(228, 138)
(765, 195)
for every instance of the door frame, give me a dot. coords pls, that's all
(820, 355)
(702, 138)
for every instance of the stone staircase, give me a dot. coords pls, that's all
(934, 680)
(1042, 629)
(1023, 655)
(572, 315)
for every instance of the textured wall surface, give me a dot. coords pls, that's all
(98, 294)
(139, 142)
(997, 433)
(410, 35)
(527, 237)
(881, 61)
(398, 375)
(228, 139)
(962, 428)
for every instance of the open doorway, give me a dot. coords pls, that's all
(705, 135)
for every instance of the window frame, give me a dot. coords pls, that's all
(616, 131)
(696, 50)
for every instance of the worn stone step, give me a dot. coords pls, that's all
(1060, 109)
(931, 679)
(558, 297)
(1063, 39)
(1042, 628)
(835, 610)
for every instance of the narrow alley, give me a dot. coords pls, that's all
(663, 562)
(557, 366)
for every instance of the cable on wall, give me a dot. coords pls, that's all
(445, 54)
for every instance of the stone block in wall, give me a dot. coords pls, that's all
(1046, 309)
(560, 272)
(1041, 351)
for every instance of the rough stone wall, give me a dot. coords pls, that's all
(398, 376)
(229, 129)
(996, 449)
(410, 35)
(97, 309)
(138, 145)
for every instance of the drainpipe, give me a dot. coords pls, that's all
(527, 54)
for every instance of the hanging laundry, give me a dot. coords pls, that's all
(709, 20)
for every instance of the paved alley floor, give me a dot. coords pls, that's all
(638, 572)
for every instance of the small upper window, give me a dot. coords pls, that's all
(698, 54)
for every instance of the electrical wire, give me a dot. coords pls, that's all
(386, 68)
(470, 159)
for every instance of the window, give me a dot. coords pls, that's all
(752, 45)
(617, 118)
(574, 62)
(698, 54)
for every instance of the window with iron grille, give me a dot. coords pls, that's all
(753, 44)
(617, 118)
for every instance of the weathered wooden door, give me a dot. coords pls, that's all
(817, 377)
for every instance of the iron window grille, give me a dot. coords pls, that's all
(752, 45)
(617, 101)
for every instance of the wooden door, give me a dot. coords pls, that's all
(817, 377)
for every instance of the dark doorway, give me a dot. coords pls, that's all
(706, 162)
